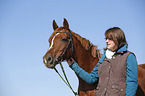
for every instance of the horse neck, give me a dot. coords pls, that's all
(83, 57)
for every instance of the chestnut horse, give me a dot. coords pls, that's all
(65, 44)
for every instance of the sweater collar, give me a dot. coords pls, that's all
(122, 49)
(109, 54)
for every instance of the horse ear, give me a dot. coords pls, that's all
(65, 24)
(54, 25)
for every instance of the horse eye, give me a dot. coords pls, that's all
(64, 40)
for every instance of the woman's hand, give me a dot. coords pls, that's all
(70, 61)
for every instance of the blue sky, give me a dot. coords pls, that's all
(25, 26)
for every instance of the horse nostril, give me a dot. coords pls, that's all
(49, 58)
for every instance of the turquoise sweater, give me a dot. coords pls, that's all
(131, 69)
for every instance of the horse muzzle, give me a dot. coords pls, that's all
(51, 62)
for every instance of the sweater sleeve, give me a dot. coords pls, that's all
(132, 75)
(90, 78)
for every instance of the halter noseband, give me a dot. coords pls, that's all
(71, 40)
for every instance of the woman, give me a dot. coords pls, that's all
(117, 69)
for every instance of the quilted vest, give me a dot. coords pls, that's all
(112, 76)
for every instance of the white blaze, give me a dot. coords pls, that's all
(51, 46)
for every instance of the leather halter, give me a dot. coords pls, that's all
(61, 56)
(70, 41)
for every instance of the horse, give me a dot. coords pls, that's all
(65, 44)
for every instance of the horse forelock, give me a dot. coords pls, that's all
(53, 34)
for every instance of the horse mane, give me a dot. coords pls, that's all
(95, 52)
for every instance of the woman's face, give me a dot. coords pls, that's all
(111, 44)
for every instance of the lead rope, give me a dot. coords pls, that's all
(66, 80)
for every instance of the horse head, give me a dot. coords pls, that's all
(61, 45)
